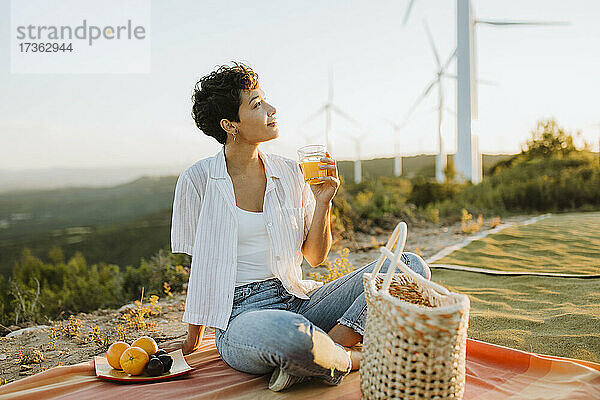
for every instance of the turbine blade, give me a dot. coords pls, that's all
(392, 124)
(479, 81)
(344, 115)
(419, 100)
(426, 91)
(449, 60)
(432, 44)
(531, 23)
(315, 115)
(407, 13)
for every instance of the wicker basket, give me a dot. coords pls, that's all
(415, 335)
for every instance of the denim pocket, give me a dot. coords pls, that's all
(281, 292)
(240, 294)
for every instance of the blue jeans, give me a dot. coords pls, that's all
(271, 328)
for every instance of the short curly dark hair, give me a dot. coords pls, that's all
(217, 96)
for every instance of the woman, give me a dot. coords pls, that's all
(247, 219)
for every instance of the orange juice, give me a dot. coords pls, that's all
(310, 160)
(311, 171)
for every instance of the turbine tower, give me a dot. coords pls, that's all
(440, 164)
(397, 157)
(357, 166)
(464, 102)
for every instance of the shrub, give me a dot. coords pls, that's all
(40, 292)
(163, 267)
(538, 185)
(339, 267)
(426, 191)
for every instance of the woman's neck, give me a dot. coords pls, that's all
(242, 159)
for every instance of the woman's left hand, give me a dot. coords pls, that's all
(325, 191)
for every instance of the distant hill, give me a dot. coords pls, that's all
(30, 213)
(122, 244)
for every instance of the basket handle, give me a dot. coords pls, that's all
(398, 239)
(408, 271)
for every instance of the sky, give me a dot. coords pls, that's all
(379, 69)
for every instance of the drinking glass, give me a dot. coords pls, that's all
(309, 157)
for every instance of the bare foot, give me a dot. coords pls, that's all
(344, 335)
(355, 356)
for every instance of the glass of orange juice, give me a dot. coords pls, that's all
(310, 160)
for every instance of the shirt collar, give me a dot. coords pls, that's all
(218, 168)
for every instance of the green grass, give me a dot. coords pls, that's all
(557, 316)
(563, 243)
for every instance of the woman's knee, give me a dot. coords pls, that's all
(412, 260)
(384, 267)
(279, 327)
(260, 340)
(291, 333)
(257, 341)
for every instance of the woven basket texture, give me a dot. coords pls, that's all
(415, 340)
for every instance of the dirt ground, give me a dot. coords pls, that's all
(37, 350)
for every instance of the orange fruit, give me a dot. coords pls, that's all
(146, 343)
(134, 360)
(113, 355)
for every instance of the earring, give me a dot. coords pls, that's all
(235, 136)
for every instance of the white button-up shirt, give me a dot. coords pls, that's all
(204, 225)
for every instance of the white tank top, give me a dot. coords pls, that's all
(253, 249)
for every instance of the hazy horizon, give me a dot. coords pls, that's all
(63, 177)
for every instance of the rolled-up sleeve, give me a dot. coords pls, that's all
(186, 210)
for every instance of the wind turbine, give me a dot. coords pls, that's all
(328, 108)
(357, 167)
(440, 164)
(397, 157)
(466, 92)
(407, 13)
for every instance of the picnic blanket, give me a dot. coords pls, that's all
(493, 372)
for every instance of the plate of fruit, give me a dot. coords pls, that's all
(142, 361)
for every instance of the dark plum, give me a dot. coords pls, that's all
(155, 367)
(167, 361)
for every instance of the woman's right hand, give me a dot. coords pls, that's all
(191, 342)
(174, 345)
